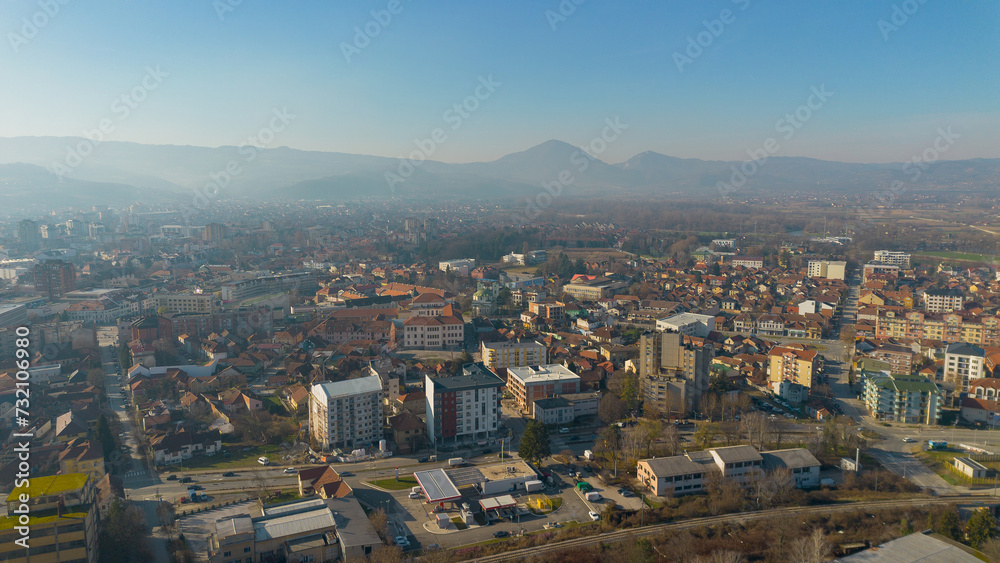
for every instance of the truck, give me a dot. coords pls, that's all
(588, 455)
(456, 462)
(533, 486)
(937, 445)
(416, 489)
(593, 496)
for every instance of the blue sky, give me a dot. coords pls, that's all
(893, 87)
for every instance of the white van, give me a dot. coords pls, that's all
(263, 460)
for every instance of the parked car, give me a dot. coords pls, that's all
(594, 516)
(423, 460)
(402, 542)
(501, 534)
(289, 470)
(186, 479)
(414, 495)
(346, 474)
(564, 430)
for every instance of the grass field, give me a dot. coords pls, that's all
(237, 459)
(964, 256)
(938, 462)
(405, 482)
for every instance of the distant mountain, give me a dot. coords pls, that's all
(130, 170)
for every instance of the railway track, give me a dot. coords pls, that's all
(656, 529)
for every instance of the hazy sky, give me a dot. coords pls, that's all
(231, 63)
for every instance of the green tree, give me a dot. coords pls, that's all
(105, 436)
(981, 527)
(948, 524)
(534, 446)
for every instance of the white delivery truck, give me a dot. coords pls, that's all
(588, 455)
(593, 496)
(533, 486)
(456, 462)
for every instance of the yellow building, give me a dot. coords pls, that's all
(82, 457)
(61, 521)
(795, 365)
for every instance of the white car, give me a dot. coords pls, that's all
(401, 541)
(414, 495)
(594, 516)
(290, 470)
(908, 440)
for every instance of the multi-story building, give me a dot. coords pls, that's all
(184, 302)
(674, 371)
(963, 363)
(530, 383)
(899, 357)
(690, 324)
(943, 300)
(243, 321)
(914, 400)
(947, 327)
(464, 407)
(61, 518)
(555, 310)
(29, 235)
(513, 353)
(13, 315)
(255, 287)
(894, 257)
(688, 473)
(460, 267)
(794, 364)
(753, 262)
(54, 278)
(433, 333)
(878, 269)
(834, 270)
(592, 288)
(346, 414)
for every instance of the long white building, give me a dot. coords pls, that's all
(346, 414)
(895, 257)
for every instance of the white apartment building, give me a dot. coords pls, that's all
(505, 354)
(690, 324)
(836, 270)
(460, 267)
(963, 362)
(346, 414)
(894, 257)
(943, 300)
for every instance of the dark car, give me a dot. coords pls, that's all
(487, 451)
(229, 474)
(195, 488)
(501, 534)
(172, 478)
(423, 460)
(346, 474)
(572, 438)
(186, 479)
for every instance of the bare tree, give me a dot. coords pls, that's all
(259, 484)
(809, 549)
(386, 554)
(755, 426)
(165, 513)
(671, 439)
(710, 404)
(380, 521)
